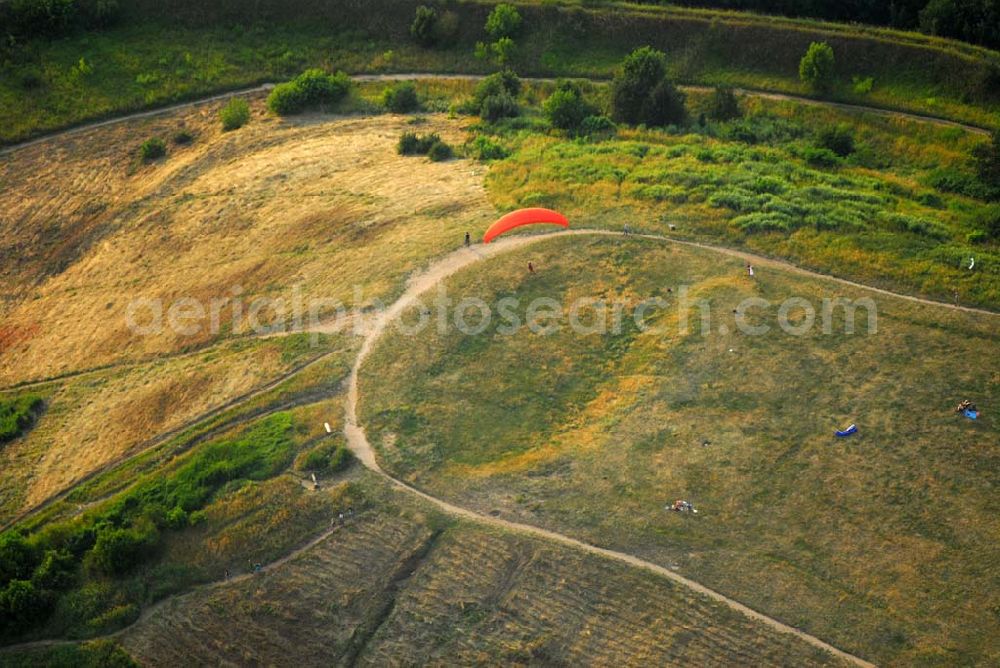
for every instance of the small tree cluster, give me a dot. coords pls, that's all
(312, 88)
(642, 93)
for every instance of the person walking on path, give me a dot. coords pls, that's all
(468, 240)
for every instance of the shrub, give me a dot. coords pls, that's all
(723, 105)
(820, 157)
(447, 29)
(235, 114)
(989, 221)
(401, 98)
(18, 557)
(641, 93)
(665, 105)
(566, 107)
(593, 126)
(410, 143)
(118, 551)
(440, 151)
(837, 138)
(21, 605)
(484, 149)
(503, 21)
(424, 26)
(57, 571)
(152, 149)
(816, 69)
(495, 96)
(956, 181)
(862, 86)
(31, 79)
(183, 137)
(501, 105)
(329, 458)
(312, 88)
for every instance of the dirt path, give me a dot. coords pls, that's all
(411, 76)
(362, 449)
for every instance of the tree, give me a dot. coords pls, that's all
(566, 107)
(817, 67)
(723, 105)
(424, 26)
(641, 92)
(503, 21)
(21, 604)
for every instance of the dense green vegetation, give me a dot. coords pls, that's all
(17, 414)
(860, 197)
(93, 654)
(163, 53)
(54, 568)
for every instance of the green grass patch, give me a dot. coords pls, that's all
(17, 414)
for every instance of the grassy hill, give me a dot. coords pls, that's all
(159, 53)
(592, 434)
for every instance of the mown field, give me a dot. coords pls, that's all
(164, 53)
(880, 544)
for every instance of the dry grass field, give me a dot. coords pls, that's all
(316, 204)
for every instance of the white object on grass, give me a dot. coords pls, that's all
(327, 425)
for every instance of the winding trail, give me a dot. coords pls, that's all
(362, 449)
(412, 76)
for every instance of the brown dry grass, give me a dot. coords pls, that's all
(94, 419)
(319, 202)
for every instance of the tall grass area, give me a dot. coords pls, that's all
(880, 544)
(767, 183)
(165, 53)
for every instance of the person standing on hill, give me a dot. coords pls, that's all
(468, 239)
(750, 270)
(531, 268)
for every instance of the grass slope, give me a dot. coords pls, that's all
(165, 53)
(401, 584)
(879, 544)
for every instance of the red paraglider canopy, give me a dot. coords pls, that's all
(523, 217)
